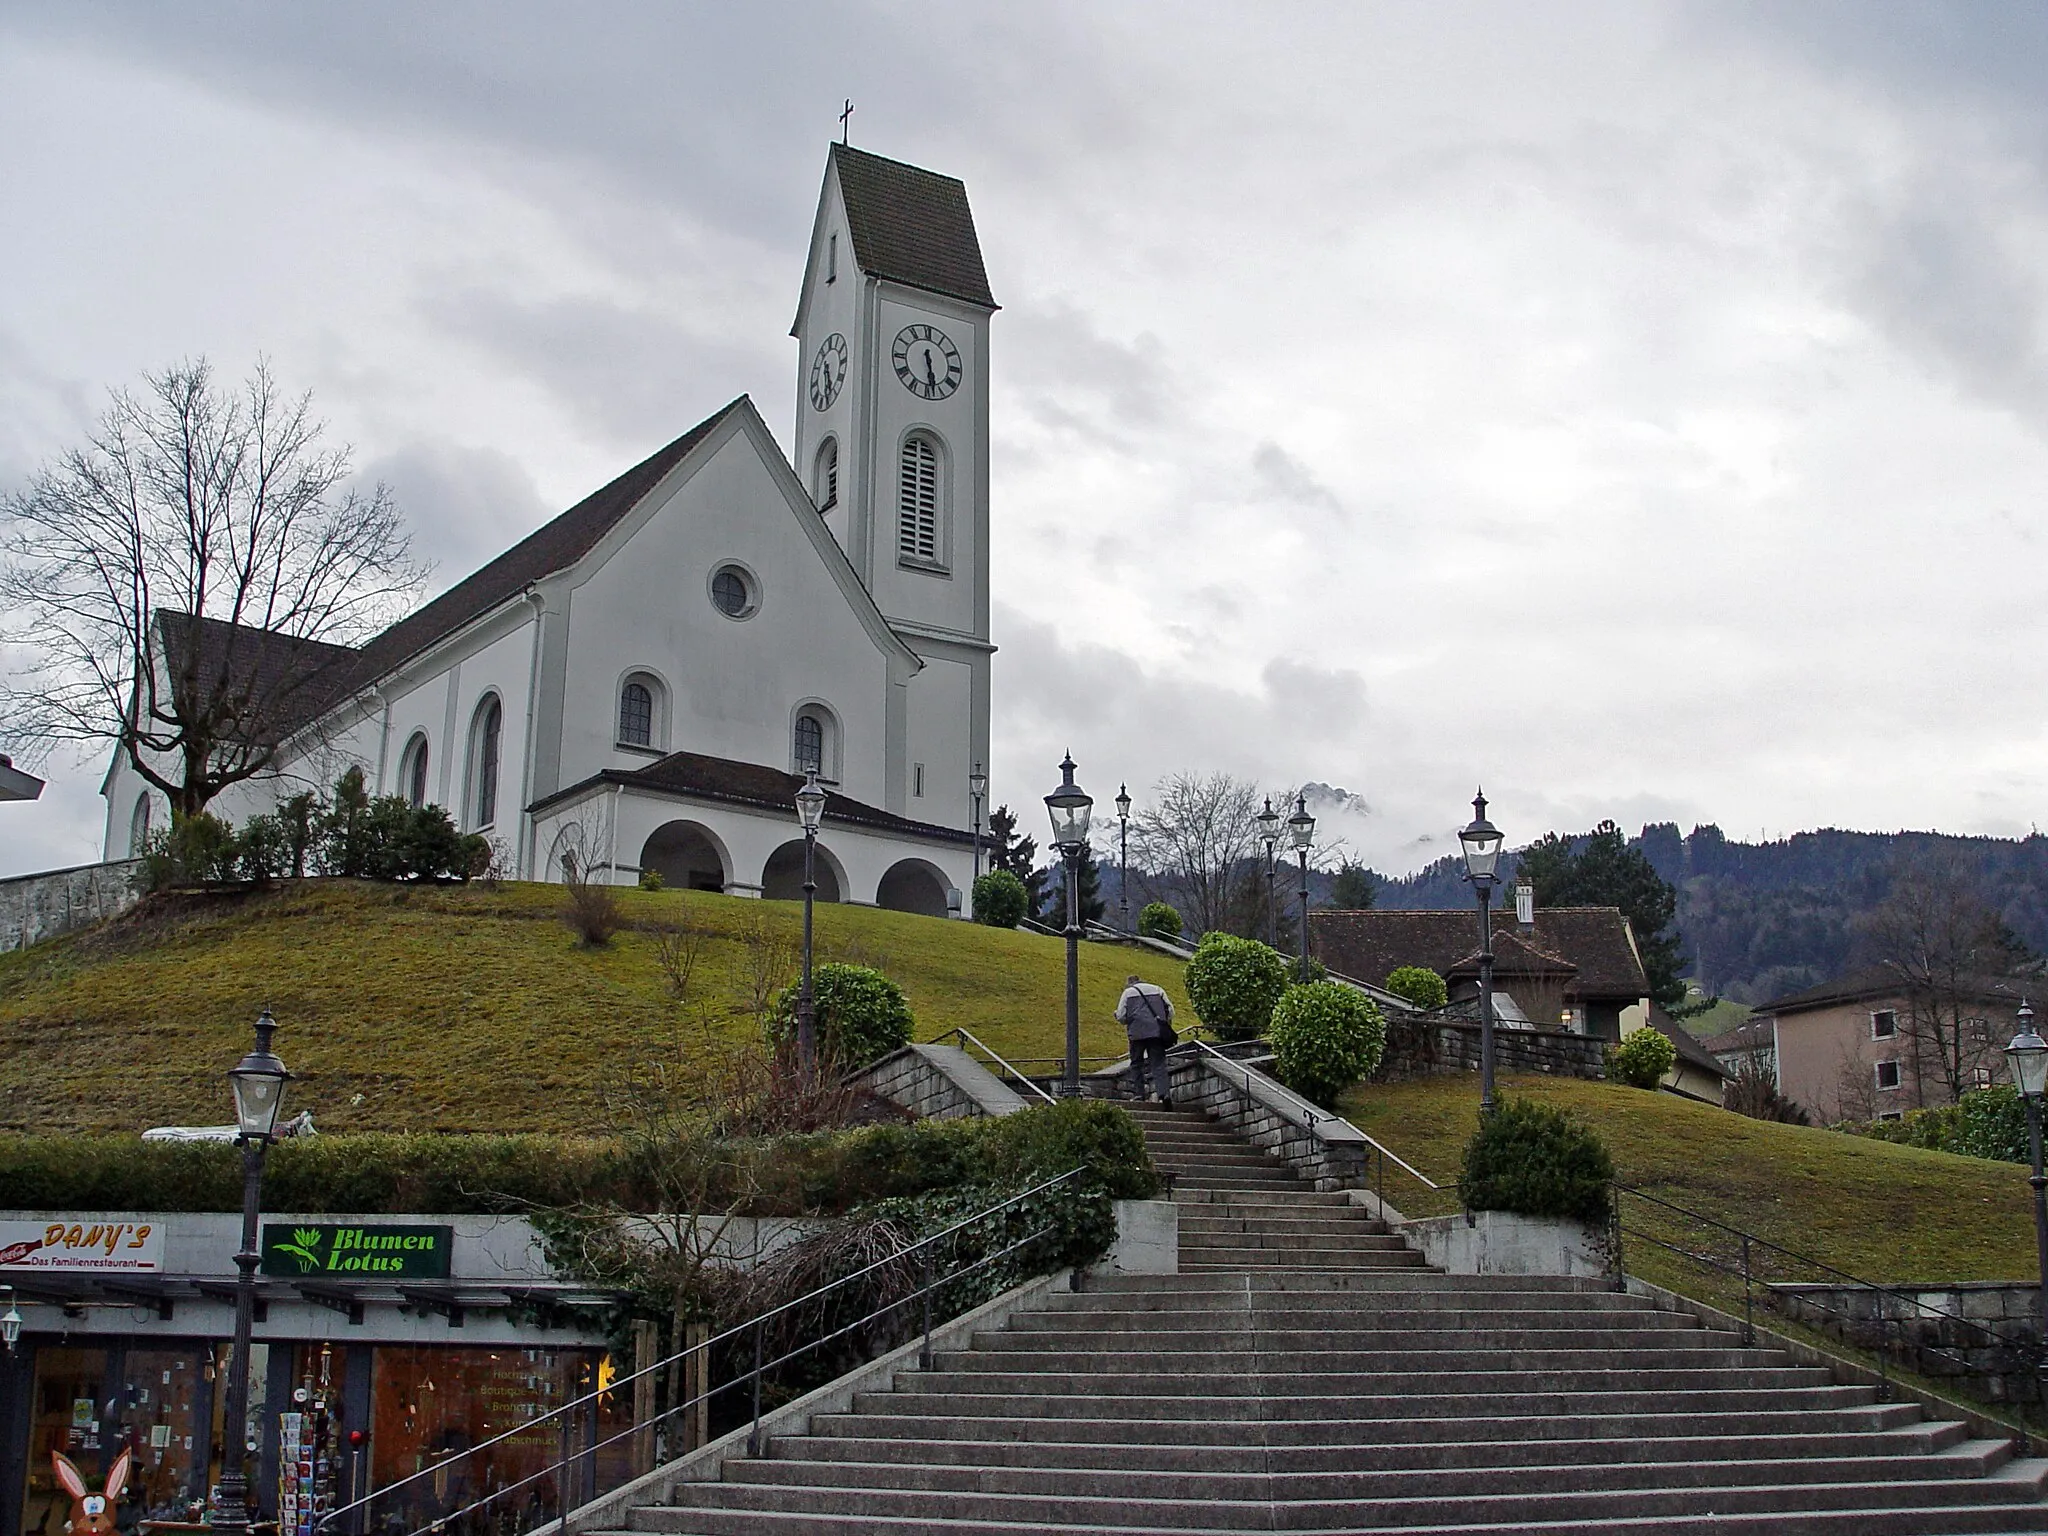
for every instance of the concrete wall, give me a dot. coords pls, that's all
(38, 907)
(1975, 1335)
(1501, 1243)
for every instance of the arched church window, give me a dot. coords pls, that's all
(490, 723)
(413, 771)
(810, 744)
(636, 715)
(917, 500)
(138, 826)
(826, 492)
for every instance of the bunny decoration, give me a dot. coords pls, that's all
(92, 1514)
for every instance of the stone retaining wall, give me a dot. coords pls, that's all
(937, 1082)
(1331, 1155)
(58, 901)
(1420, 1046)
(1937, 1331)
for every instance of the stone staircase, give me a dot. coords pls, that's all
(1305, 1374)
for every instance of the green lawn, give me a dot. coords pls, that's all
(1878, 1211)
(459, 1008)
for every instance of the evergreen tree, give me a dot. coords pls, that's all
(1019, 855)
(1602, 870)
(1053, 912)
(1354, 889)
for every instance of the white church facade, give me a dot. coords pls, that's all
(644, 681)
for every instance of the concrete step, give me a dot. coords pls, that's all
(1392, 1322)
(1201, 1219)
(1250, 1235)
(1302, 1198)
(1465, 1377)
(1197, 1258)
(1268, 1361)
(1179, 1343)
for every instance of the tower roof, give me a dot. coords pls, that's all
(911, 226)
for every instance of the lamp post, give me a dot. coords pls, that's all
(1481, 841)
(1123, 856)
(810, 810)
(258, 1080)
(2027, 1056)
(977, 787)
(1069, 806)
(10, 1325)
(1269, 833)
(1302, 828)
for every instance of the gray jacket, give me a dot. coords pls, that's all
(1145, 1012)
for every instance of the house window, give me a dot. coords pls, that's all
(1980, 1031)
(832, 257)
(490, 722)
(138, 826)
(826, 491)
(1887, 1075)
(917, 500)
(1892, 1114)
(413, 773)
(809, 745)
(1884, 1024)
(636, 715)
(917, 780)
(1980, 1077)
(733, 592)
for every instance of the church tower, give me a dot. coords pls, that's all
(892, 438)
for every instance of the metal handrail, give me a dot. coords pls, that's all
(976, 1040)
(1314, 1117)
(755, 1325)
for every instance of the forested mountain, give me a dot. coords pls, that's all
(1763, 919)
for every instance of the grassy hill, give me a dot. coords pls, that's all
(458, 1008)
(1881, 1212)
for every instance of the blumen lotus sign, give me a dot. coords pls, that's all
(302, 1250)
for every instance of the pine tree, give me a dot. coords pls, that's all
(1602, 870)
(1053, 912)
(1019, 855)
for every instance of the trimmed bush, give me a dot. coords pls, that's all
(1419, 984)
(1000, 899)
(1642, 1059)
(1159, 921)
(1233, 984)
(1536, 1161)
(861, 1013)
(1986, 1122)
(1325, 1038)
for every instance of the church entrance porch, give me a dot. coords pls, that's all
(686, 857)
(782, 878)
(913, 886)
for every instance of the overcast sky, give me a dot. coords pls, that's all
(1638, 408)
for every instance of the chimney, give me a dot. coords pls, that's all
(1525, 908)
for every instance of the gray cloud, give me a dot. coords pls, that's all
(464, 505)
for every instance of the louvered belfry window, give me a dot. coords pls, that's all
(917, 501)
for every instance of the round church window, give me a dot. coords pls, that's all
(732, 589)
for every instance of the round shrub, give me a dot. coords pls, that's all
(1159, 921)
(861, 1014)
(1233, 984)
(1991, 1122)
(1325, 1038)
(1536, 1161)
(1000, 899)
(1642, 1059)
(1419, 984)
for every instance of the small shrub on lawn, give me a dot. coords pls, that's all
(861, 1014)
(1233, 984)
(1325, 1037)
(1642, 1059)
(1419, 984)
(1159, 921)
(1000, 899)
(1536, 1161)
(1985, 1122)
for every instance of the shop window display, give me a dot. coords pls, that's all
(158, 1413)
(65, 1417)
(312, 1475)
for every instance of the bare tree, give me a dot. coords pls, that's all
(1198, 833)
(1938, 935)
(185, 582)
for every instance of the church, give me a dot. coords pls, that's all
(643, 683)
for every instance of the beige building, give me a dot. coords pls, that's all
(1866, 1047)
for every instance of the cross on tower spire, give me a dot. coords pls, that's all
(845, 125)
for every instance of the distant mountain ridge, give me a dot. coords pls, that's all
(1763, 919)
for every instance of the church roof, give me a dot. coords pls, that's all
(695, 776)
(911, 226)
(281, 680)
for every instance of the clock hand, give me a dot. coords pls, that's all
(931, 379)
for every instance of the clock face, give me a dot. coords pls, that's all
(828, 371)
(927, 362)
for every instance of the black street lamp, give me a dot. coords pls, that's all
(1269, 832)
(977, 787)
(1123, 855)
(258, 1081)
(810, 809)
(1069, 806)
(10, 1325)
(1482, 841)
(1302, 828)
(2027, 1056)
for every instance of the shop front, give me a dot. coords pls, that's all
(385, 1349)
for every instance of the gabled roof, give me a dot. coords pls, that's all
(1692, 1050)
(1514, 956)
(1595, 940)
(288, 678)
(694, 776)
(1877, 983)
(911, 226)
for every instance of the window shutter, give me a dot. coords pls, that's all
(917, 501)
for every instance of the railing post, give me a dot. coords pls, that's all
(1614, 1240)
(1884, 1350)
(924, 1355)
(754, 1434)
(1748, 1300)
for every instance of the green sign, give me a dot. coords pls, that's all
(385, 1253)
